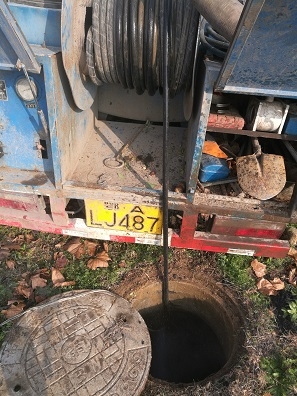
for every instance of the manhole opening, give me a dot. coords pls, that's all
(184, 347)
(203, 336)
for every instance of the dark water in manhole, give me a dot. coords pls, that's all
(184, 347)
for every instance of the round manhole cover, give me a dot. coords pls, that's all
(82, 343)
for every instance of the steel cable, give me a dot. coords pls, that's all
(124, 44)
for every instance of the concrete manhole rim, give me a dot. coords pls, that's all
(220, 295)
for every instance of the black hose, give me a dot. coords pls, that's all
(97, 45)
(118, 43)
(213, 41)
(127, 44)
(165, 36)
(111, 55)
(90, 59)
(223, 15)
(103, 39)
(136, 45)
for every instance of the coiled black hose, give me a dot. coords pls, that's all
(213, 41)
(124, 44)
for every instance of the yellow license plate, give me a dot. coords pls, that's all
(124, 216)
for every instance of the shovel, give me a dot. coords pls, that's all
(262, 176)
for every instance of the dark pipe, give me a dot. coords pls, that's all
(223, 15)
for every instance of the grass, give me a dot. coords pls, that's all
(270, 363)
(237, 270)
(124, 257)
(280, 373)
(291, 311)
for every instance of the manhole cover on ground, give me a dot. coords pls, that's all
(85, 343)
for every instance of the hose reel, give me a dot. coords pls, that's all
(120, 42)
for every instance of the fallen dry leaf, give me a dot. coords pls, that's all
(57, 277)
(293, 253)
(105, 246)
(293, 277)
(39, 299)
(60, 260)
(43, 272)
(95, 263)
(15, 301)
(291, 235)
(65, 284)
(12, 246)
(19, 239)
(13, 310)
(29, 238)
(259, 268)
(277, 283)
(23, 289)
(122, 264)
(72, 245)
(10, 264)
(6, 248)
(37, 281)
(90, 247)
(25, 274)
(266, 288)
(99, 261)
(78, 248)
(270, 288)
(4, 253)
(59, 280)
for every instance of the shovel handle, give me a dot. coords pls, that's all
(256, 146)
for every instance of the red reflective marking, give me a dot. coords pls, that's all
(256, 233)
(32, 225)
(221, 244)
(7, 203)
(122, 239)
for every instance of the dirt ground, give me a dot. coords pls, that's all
(263, 335)
(29, 261)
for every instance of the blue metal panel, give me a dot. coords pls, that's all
(40, 25)
(207, 74)
(69, 126)
(20, 126)
(8, 57)
(262, 59)
(15, 44)
(290, 126)
(56, 100)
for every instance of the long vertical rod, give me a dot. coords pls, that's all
(165, 297)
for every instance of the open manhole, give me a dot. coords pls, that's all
(79, 343)
(201, 338)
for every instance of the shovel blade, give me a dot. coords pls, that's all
(261, 177)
